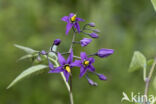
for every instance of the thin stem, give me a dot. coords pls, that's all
(73, 40)
(148, 79)
(71, 48)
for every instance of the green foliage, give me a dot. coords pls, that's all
(154, 4)
(138, 61)
(150, 62)
(31, 70)
(26, 49)
(154, 83)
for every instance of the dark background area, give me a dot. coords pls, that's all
(126, 26)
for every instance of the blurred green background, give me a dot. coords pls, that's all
(126, 26)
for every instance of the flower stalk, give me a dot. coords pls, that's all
(147, 81)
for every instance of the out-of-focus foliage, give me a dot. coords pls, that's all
(138, 61)
(125, 25)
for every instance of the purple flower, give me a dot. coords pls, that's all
(102, 77)
(104, 52)
(85, 63)
(93, 35)
(57, 41)
(85, 41)
(72, 20)
(92, 24)
(65, 65)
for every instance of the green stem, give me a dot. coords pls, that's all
(147, 81)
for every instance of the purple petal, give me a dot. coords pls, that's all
(68, 27)
(56, 70)
(83, 56)
(77, 26)
(61, 59)
(91, 60)
(82, 71)
(51, 66)
(65, 18)
(66, 74)
(70, 58)
(71, 15)
(91, 68)
(79, 19)
(76, 63)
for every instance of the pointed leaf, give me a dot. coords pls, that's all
(138, 61)
(25, 57)
(27, 72)
(154, 4)
(26, 49)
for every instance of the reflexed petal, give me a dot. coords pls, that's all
(61, 59)
(65, 18)
(82, 71)
(83, 55)
(71, 15)
(91, 68)
(51, 66)
(79, 19)
(91, 60)
(70, 58)
(76, 63)
(77, 26)
(66, 74)
(68, 27)
(56, 70)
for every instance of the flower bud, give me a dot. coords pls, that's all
(92, 24)
(85, 41)
(43, 52)
(91, 82)
(104, 52)
(57, 41)
(93, 35)
(96, 30)
(102, 77)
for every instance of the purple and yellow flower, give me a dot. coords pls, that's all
(72, 21)
(65, 65)
(104, 52)
(85, 63)
(85, 41)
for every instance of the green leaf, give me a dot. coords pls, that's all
(26, 73)
(26, 49)
(25, 57)
(138, 61)
(150, 62)
(154, 83)
(154, 4)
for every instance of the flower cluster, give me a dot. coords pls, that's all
(84, 62)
